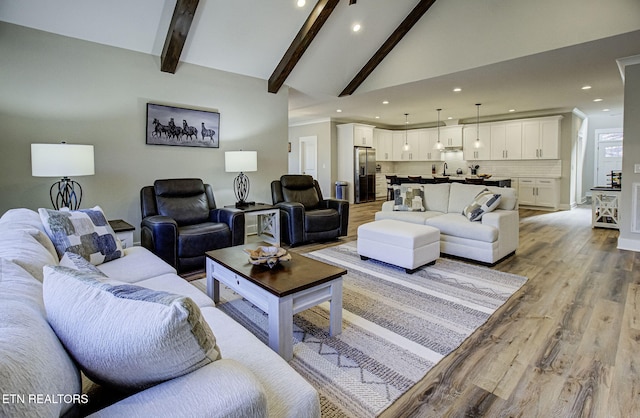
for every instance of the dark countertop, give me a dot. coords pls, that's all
(606, 189)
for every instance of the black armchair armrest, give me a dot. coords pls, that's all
(159, 235)
(232, 217)
(342, 206)
(292, 221)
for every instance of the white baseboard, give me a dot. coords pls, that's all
(629, 244)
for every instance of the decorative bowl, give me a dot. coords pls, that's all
(267, 255)
(485, 176)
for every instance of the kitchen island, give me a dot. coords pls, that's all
(492, 181)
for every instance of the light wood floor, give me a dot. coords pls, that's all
(566, 345)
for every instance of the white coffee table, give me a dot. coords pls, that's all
(281, 292)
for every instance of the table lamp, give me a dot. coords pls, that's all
(63, 160)
(241, 162)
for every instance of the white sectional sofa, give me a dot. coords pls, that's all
(39, 376)
(489, 240)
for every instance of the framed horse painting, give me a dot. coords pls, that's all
(169, 125)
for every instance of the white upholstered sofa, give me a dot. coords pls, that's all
(489, 240)
(38, 376)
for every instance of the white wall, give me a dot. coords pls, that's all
(631, 156)
(326, 133)
(56, 88)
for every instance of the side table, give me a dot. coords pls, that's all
(268, 221)
(124, 232)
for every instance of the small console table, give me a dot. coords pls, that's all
(268, 221)
(124, 232)
(604, 207)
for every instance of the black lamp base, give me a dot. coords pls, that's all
(66, 193)
(241, 205)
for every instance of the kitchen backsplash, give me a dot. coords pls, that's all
(513, 168)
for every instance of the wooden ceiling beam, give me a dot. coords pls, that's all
(397, 35)
(301, 42)
(177, 34)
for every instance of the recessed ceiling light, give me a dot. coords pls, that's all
(512, 110)
(597, 100)
(377, 117)
(339, 110)
(606, 110)
(457, 89)
(356, 27)
(385, 102)
(450, 118)
(586, 87)
(301, 3)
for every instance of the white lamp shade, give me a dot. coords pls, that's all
(61, 160)
(240, 161)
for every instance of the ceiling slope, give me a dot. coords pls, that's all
(301, 42)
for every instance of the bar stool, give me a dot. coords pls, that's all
(391, 180)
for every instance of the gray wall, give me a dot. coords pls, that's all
(631, 156)
(327, 155)
(56, 88)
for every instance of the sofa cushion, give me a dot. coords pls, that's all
(460, 195)
(436, 197)
(321, 220)
(139, 264)
(458, 225)
(33, 362)
(408, 197)
(27, 220)
(484, 202)
(78, 262)
(195, 240)
(509, 200)
(125, 335)
(23, 248)
(85, 232)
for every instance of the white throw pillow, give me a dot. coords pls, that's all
(125, 335)
(85, 232)
(484, 202)
(33, 362)
(408, 197)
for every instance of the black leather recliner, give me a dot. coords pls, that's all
(180, 222)
(304, 214)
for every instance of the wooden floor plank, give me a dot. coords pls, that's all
(566, 345)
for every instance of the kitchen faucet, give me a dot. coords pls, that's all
(444, 169)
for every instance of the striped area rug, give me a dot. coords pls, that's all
(396, 327)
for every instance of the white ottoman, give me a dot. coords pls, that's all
(399, 243)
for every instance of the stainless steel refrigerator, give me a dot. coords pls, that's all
(365, 175)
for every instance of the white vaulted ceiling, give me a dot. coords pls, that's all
(505, 54)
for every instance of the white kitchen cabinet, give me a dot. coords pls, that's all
(362, 135)
(469, 147)
(506, 141)
(539, 192)
(451, 136)
(383, 142)
(428, 151)
(541, 139)
(413, 139)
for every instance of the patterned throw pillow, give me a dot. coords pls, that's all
(408, 197)
(85, 232)
(484, 202)
(78, 262)
(125, 335)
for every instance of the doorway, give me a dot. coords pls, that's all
(308, 156)
(608, 155)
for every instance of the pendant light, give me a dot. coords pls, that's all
(478, 143)
(439, 145)
(406, 134)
